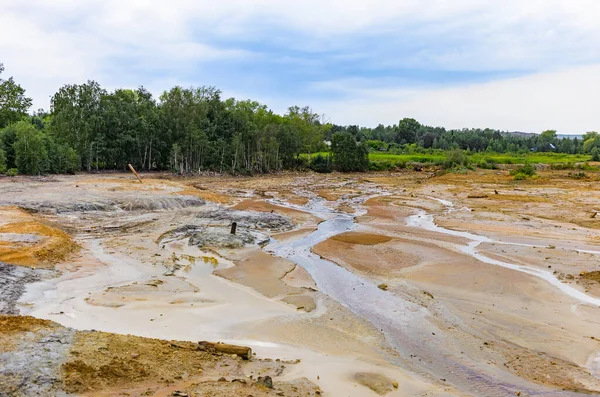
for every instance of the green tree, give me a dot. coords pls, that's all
(591, 140)
(2, 161)
(407, 131)
(349, 155)
(30, 151)
(546, 141)
(61, 158)
(8, 136)
(13, 102)
(595, 154)
(77, 119)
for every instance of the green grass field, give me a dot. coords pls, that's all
(534, 158)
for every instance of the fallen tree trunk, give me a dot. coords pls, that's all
(241, 351)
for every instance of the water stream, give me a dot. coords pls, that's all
(408, 326)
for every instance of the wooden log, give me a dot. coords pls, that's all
(241, 351)
(233, 227)
(134, 172)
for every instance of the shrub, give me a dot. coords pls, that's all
(385, 165)
(520, 177)
(349, 155)
(455, 158)
(2, 161)
(12, 172)
(527, 170)
(487, 164)
(321, 164)
(595, 154)
(562, 166)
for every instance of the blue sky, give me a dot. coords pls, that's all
(511, 65)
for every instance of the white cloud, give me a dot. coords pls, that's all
(48, 43)
(566, 100)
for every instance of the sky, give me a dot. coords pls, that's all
(518, 65)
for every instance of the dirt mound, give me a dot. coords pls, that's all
(591, 276)
(101, 204)
(159, 203)
(248, 219)
(380, 384)
(41, 358)
(101, 360)
(16, 324)
(44, 246)
(31, 353)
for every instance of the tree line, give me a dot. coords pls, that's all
(195, 130)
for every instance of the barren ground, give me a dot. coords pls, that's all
(107, 285)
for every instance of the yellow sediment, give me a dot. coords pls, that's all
(53, 246)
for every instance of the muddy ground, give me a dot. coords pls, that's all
(122, 279)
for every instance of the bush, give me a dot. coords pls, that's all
(455, 159)
(520, 177)
(349, 155)
(562, 166)
(527, 170)
(321, 164)
(487, 164)
(299, 163)
(385, 165)
(595, 154)
(2, 161)
(12, 172)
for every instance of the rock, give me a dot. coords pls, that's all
(265, 381)
(222, 379)
(395, 385)
(178, 393)
(380, 384)
(383, 287)
(239, 381)
(154, 282)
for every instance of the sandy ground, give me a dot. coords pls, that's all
(118, 257)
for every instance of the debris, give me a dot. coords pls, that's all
(383, 287)
(134, 172)
(241, 351)
(265, 382)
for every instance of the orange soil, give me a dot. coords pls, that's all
(53, 248)
(361, 238)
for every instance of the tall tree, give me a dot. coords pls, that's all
(77, 119)
(13, 102)
(30, 151)
(349, 155)
(407, 131)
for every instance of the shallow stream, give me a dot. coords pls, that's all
(408, 326)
